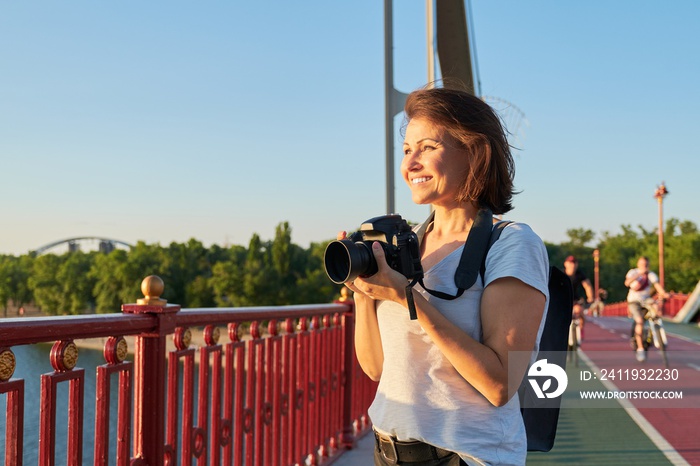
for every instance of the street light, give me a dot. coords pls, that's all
(659, 194)
(596, 273)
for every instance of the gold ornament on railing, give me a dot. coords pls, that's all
(211, 334)
(273, 328)
(152, 288)
(115, 350)
(64, 355)
(233, 329)
(7, 364)
(182, 338)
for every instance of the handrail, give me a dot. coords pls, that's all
(671, 306)
(17, 331)
(22, 331)
(219, 315)
(288, 395)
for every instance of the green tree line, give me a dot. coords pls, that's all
(268, 273)
(278, 272)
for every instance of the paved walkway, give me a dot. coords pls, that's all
(621, 432)
(361, 455)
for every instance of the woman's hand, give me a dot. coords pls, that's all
(387, 284)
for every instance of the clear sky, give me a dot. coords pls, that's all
(168, 120)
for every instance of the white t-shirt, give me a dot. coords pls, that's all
(421, 396)
(643, 293)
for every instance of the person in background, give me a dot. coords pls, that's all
(640, 281)
(578, 281)
(596, 308)
(447, 380)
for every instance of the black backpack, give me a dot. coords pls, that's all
(539, 415)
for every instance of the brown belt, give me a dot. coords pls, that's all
(395, 451)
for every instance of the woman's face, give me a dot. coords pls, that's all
(434, 165)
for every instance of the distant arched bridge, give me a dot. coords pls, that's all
(74, 244)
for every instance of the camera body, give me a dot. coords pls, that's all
(347, 259)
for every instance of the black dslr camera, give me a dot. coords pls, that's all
(350, 258)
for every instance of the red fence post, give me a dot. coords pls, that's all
(348, 373)
(14, 413)
(150, 369)
(64, 356)
(115, 352)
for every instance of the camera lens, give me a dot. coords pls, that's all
(344, 261)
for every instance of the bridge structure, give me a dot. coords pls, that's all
(279, 386)
(79, 243)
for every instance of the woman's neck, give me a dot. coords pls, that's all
(453, 221)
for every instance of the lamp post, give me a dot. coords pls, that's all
(596, 273)
(659, 194)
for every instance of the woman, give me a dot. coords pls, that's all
(444, 396)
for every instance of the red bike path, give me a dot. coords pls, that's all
(610, 435)
(606, 344)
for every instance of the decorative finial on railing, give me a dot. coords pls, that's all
(152, 288)
(344, 294)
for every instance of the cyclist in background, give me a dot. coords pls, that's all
(578, 281)
(640, 281)
(596, 309)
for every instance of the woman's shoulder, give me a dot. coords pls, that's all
(519, 253)
(517, 231)
(518, 239)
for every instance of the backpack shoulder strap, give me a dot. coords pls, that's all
(475, 249)
(495, 234)
(473, 254)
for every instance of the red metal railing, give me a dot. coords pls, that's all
(285, 389)
(670, 309)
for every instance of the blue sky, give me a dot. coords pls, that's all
(163, 121)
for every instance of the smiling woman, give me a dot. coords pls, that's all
(432, 165)
(443, 396)
(464, 123)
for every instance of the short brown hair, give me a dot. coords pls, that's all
(478, 129)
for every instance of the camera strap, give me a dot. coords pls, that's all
(409, 298)
(472, 258)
